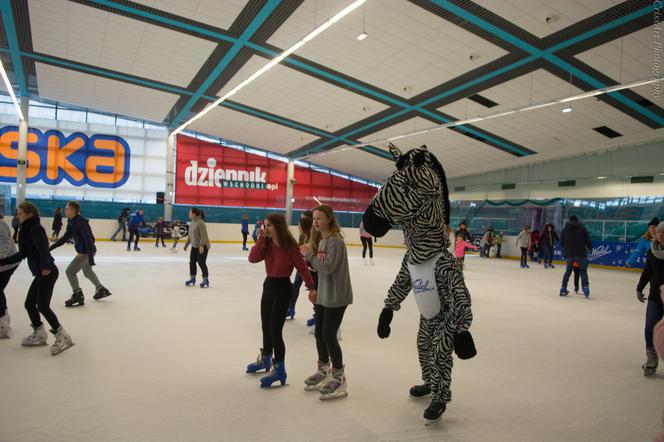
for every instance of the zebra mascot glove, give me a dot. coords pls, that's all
(384, 323)
(464, 346)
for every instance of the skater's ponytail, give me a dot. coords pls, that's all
(198, 212)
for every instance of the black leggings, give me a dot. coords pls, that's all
(244, 239)
(367, 242)
(328, 321)
(160, 236)
(39, 299)
(133, 233)
(4, 280)
(201, 258)
(274, 306)
(524, 256)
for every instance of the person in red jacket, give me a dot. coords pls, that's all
(277, 247)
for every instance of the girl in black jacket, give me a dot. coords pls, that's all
(33, 245)
(57, 224)
(653, 274)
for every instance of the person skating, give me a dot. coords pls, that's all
(123, 219)
(548, 241)
(7, 248)
(136, 221)
(33, 245)
(367, 242)
(653, 274)
(642, 247)
(326, 251)
(658, 340)
(176, 235)
(78, 229)
(304, 225)
(499, 244)
(576, 246)
(200, 245)
(460, 246)
(245, 231)
(277, 247)
(159, 227)
(56, 227)
(523, 243)
(463, 230)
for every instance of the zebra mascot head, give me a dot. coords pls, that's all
(415, 196)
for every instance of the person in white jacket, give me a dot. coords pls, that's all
(523, 242)
(7, 248)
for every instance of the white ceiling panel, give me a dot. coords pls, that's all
(220, 14)
(102, 94)
(625, 60)
(358, 163)
(252, 131)
(99, 38)
(291, 94)
(408, 49)
(531, 15)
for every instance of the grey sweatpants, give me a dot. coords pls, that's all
(79, 262)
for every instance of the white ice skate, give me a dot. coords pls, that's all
(318, 379)
(4, 326)
(335, 388)
(650, 366)
(62, 341)
(38, 337)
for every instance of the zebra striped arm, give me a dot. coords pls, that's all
(400, 287)
(456, 290)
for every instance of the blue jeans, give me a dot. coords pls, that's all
(583, 270)
(654, 314)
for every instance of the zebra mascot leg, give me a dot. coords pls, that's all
(416, 197)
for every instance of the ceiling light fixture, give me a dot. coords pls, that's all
(364, 34)
(10, 89)
(605, 90)
(601, 177)
(276, 60)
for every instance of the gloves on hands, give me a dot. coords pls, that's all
(384, 323)
(640, 296)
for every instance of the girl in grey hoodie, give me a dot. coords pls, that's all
(326, 251)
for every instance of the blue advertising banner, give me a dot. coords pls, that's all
(609, 253)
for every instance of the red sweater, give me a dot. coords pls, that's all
(279, 263)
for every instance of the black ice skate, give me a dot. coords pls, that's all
(101, 293)
(434, 412)
(76, 299)
(419, 391)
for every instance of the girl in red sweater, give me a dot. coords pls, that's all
(277, 247)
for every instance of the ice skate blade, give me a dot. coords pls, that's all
(330, 397)
(316, 387)
(41, 344)
(60, 350)
(273, 386)
(75, 304)
(97, 298)
(430, 422)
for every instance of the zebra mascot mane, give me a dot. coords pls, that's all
(415, 196)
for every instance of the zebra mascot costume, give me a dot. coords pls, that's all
(416, 196)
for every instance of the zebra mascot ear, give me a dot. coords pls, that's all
(395, 151)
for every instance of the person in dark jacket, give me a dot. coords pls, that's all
(33, 245)
(123, 219)
(548, 241)
(463, 231)
(576, 247)
(78, 229)
(245, 231)
(136, 221)
(16, 224)
(653, 274)
(159, 227)
(57, 224)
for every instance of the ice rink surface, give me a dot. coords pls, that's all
(158, 361)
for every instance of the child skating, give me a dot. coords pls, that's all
(33, 245)
(78, 229)
(7, 248)
(460, 247)
(277, 247)
(200, 245)
(326, 251)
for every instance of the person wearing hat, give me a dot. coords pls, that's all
(653, 274)
(642, 247)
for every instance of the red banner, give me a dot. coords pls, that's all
(213, 175)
